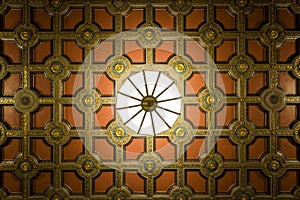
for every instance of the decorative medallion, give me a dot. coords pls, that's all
(88, 166)
(57, 6)
(242, 67)
(242, 132)
(181, 193)
(150, 165)
(149, 35)
(88, 100)
(211, 34)
(180, 6)
(26, 100)
(3, 194)
(297, 193)
(296, 5)
(118, 6)
(274, 165)
(242, 5)
(56, 68)
(210, 100)
(25, 167)
(243, 193)
(25, 35)
(119, 193)
(149, 102)
(57, 193)
(183, 133)
(117, 67)
(273, 99)
(272, 34)
(181, 67)
(56, 133)
(212, 165)
(2, 133)
(296, 130)
(118, 134)
(87, 35)
(296, 67)
(3, 6)
(3, 71)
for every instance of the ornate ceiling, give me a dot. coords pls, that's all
(69, 124)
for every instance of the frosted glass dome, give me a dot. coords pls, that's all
(149, 102)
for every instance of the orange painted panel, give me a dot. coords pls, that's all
(41, 149)
(12, 117)
(257, 83)
(225, 51)
(227, 181)
(73, 182)
(134, 52)
(104, 84)
(257, 180)
(288, 181)
(11, 84)
(103, 52)
(12, 18)
(42, 84)
(73, 18)
(225, 116)
(257, 17)
(12, 52)
(288, 115)
(102, 182)
(257, 50)
(134, 181)
(42, 117)
(257, 116)
(225, 17)
(73, 52)
(104, 148)
(165, 148)
(134, 148)
(41, 183)
(195, 116)
(73, 116)
(165, 181)
(195, 83)
(11, 182)
(11, 148)
(257, 148)
(225, 83)
(42, 19)
(194, 51)
(195, 19)
(104, 116)
(72, 149)
(102, 18)
(288, 148)
(134, 19)
(195, 148)
(164, 51)
(286, 18)
(164, 18)
(41, 52)
(195, 180)
(226, 149)
(288, 83)
(73, 84)
(287, 51)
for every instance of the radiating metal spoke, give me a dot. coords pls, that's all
(145, 81)
(133, 106)
(156, 83)
(162, 119)
(152, 122)
(165, 89)
(129, 96)
(169, 99)
(142, 122)
(135, 87)
(171, 111)
(133, 117)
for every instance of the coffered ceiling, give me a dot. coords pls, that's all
(149, 99)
